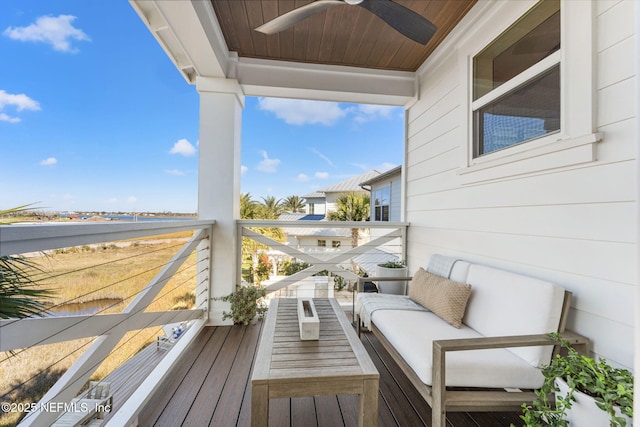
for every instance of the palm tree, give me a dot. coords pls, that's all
(351, 207)
(250, 209)
(271, 207)
(20, 295)
(293, 204)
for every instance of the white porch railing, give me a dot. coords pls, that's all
(381, 237)
(108, 328)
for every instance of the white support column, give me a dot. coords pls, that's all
(221, 103)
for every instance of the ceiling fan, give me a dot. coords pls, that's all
(402, 19)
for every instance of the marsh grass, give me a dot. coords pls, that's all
(83, 276)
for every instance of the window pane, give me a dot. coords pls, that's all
(385, 213)
(531, 39)
(529, 112)
(381, 196)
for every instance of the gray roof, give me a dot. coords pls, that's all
(314, 195)
(385, 175)
(320, 231)
(368, 260)
(351, 184)
(300, 217)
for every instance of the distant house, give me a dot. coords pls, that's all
(324, 200)
(316, 203)
(315, 239)
(386, 195)
(386, 206)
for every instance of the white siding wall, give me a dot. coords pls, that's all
(395, 209)
(319, 206)
(574, 224)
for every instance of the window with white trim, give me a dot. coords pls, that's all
(381, 202)
(516, 82)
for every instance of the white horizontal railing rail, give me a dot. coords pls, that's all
(19, 239)
(329, 259)
(108, 329)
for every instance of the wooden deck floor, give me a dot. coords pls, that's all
(211, 386)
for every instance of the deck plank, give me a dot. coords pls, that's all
(153, 411)
(215, 375)
(230, 403)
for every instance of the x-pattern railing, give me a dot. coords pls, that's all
(323, 261)
(108, 329)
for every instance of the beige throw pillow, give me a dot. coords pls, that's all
(445, 298)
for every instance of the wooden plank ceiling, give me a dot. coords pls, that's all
(342, 35)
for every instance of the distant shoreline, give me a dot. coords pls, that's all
(94, 217)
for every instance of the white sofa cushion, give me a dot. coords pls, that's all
(460, 271)
(412, 334)
(504, 303)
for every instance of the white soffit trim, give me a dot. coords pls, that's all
(191, 43)
(283, 79)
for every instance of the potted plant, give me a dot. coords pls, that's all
(245, 304)
(392, 269)
(587, 392)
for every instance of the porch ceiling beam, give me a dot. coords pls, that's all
(261, 77)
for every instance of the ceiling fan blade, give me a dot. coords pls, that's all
(296, 15)
(404, 20)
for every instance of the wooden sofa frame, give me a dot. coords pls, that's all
(442, 400)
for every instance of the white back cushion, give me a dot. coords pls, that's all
(504, 303)
(460, 271)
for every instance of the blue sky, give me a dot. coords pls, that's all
(94, 116)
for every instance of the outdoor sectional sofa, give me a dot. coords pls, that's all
(487, 324)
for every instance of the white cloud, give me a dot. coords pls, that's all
(322, 156)
(243, 169)
(56, 31)
(67, 197)
(49, 162)
(366, 113)
(6, 118)
(132, 199)
(268, 165)
(302, 112)
(19, 101)
(302, 177)
(112, 200)
(175, 172)
(322, 175)
(183, 147)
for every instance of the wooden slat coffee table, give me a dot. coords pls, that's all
(286, 366)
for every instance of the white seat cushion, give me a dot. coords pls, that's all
(412, 334)
(504, 304)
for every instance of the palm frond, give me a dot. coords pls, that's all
(20, 295)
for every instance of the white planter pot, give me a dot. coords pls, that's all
(584, 412)
(392, 287)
